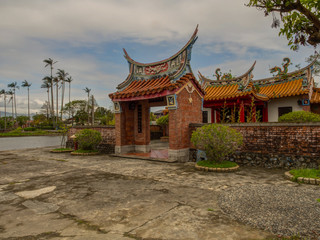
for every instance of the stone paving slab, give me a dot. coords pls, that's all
(103, 197)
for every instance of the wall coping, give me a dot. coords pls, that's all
(269, 124)
(95, 126)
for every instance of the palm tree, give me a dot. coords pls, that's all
(46, 84)
(50, 62)
(27, 85)
(69, 80)
(3, 92)
(87, 90)
(14, 86)
(10, 92)
(56, 81)
(62, 75)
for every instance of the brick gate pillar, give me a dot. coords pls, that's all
(142, 126)
(189, 110)
(124, 129)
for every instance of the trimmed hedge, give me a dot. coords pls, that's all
(300, 117)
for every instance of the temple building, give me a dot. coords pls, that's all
(241, 99)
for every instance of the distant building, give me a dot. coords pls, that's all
(242, 99)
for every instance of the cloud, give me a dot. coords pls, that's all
(86, 38)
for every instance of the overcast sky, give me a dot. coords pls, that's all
(86, 37)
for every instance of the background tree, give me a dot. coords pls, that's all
(78, 110)
(22, 120)
(62, 75)
(10, 93)
(69, 80)
(56, 81)
(87, 90)
(301, 24)
(46, 84)
(50, 62)
(14, 86)
(104, 115)
(27, 85)
(3, 92)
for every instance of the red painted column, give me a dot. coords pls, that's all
(242, 112)
(265, 113)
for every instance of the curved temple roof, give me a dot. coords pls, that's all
(295, 83)
(174, 66)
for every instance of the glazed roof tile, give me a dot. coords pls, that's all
(152, 87)
(261, 92)
(315, 96)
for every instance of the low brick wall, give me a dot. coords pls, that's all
(108, 137)
(275, 144)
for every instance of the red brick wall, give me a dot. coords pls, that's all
(277, 138)
(180, 118)
(107, 132)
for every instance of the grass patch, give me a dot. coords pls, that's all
(318, 199)
(223, 164)
(85, 151)
(305, 173)
(210, 210)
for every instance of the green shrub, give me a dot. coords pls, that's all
(47, 127)
(27, 129)
(217, 141)
(300, 116)
(164, 120)
(88, 139)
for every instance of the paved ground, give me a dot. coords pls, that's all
(59, 196)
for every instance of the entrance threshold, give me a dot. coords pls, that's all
(159, 152)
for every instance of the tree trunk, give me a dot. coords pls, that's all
(57, 102)
(28, 106)
(69, 98)
(92, 113)
(52, 102)
(62, 97)
(5, 112)
(15, 103)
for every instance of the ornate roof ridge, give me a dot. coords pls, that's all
(220, 82)
(288, 74)
(174, 66)
(192, 39)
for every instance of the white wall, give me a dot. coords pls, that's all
(274, 104)
(209, 114)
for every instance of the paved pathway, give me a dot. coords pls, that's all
(59, 196)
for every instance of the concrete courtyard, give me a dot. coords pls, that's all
(59, 196)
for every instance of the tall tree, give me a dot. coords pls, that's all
(62, 75)
(50, 62)
(46, 84)
(69, 80)
(14, 86)
(87, 90)
(10, 92)
(56, 81)
(3, 92)
(301, 19)
(26, 84)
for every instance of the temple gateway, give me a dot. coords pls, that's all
(171, 83)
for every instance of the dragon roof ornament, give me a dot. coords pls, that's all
(174, 66)
(243, 80)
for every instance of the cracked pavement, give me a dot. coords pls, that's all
(59, 196)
